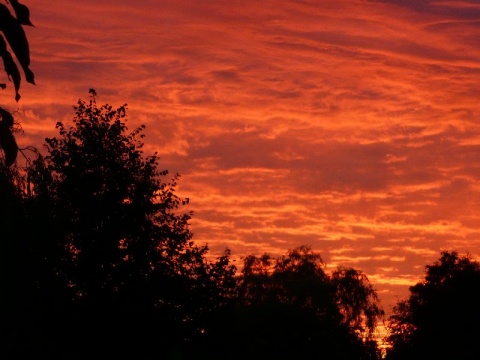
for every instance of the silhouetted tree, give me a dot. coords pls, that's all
(116, 271)
(288, 307)
(440, 319)
(357, 300)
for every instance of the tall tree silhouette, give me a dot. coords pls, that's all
(115, 260)
(440, 319)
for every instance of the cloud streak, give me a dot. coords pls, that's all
(348, 125)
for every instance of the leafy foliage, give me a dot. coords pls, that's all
(112, 259)
(11, 26)
(288, 307)
(357, 300)
(100, 253)
(440, 318)
(13, 34)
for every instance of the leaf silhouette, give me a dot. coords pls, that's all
(15, 35)
(10, 67)
(7, 140)
(22, 12)
(7, 118)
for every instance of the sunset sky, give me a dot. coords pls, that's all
(352, 126)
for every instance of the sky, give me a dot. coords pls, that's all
(351, 126)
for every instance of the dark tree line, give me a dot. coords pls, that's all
(290, 308)
(98, 259)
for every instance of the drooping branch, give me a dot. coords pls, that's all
(10, 67)
(13, 37)
(13, 31)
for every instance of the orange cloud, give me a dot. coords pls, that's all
(348, 125)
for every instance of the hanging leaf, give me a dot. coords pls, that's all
(10, 67)
(15, 35)
(21, 12)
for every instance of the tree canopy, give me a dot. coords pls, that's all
(104, 253)
(289, 307)
(97, 249)
(440, 318)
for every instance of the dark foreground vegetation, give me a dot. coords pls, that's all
(441, 317)
(98, 261)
